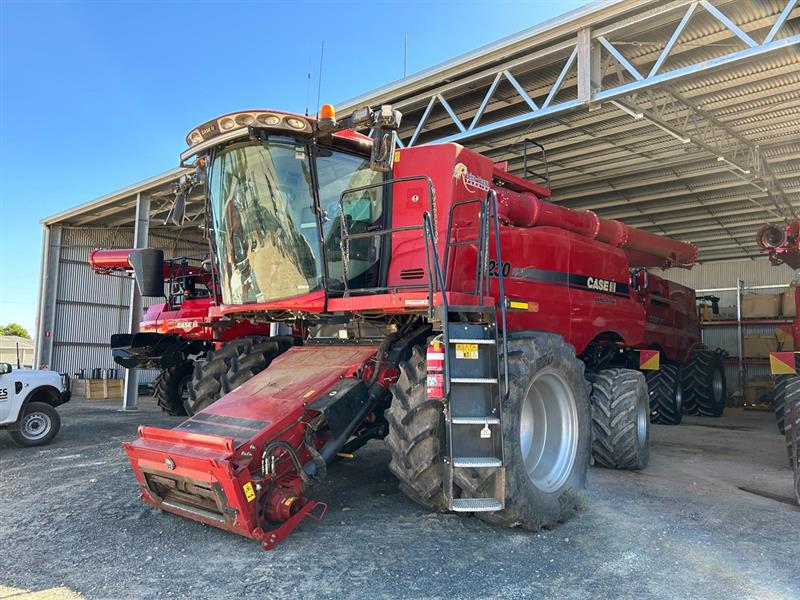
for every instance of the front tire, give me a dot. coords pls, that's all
(38, 426)
(171, 388)
(416, 438)
(546, 435)
(665, 388)
(229, 367)
(620, 419)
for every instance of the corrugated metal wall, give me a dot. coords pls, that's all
(89, 307)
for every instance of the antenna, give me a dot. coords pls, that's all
(308, 84)
(405, 55)
(319, 79)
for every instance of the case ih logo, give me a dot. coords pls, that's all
(471, 182)
(601, 285)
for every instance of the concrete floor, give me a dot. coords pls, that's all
(70, 520)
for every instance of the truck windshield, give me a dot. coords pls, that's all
(265, 225)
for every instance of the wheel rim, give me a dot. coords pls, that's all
(35, 426)
(548, 432)
(716, 386)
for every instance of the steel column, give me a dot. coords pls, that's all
(130, 399)
(48, 293)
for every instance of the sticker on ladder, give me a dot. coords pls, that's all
(467, 351)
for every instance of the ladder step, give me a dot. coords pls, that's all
(476, 504)
(474, 420)
(477, 461)
(471, 341)
(473, 380)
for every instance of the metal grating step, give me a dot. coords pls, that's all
(477, 461)
(475, 420)
(471, 341)
(473, 380)
(476, 504)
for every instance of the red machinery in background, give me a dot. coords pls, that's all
(494, 340)
(783, 246)
(178, 336)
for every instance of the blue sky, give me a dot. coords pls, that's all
(95, 96)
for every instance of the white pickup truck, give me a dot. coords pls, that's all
(27, 404)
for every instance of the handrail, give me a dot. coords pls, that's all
(491, 200)
(346, 236)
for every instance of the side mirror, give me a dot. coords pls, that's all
(5, 368)
(178, 213)
(385, 123)
(384, 143)
(148, 269)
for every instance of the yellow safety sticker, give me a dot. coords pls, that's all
(249, 491)
(397, 156)
(467, 351)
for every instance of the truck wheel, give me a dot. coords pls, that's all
(792, 432)
(171, 388)
(416, 438)
(39, 424)
(620, 419)
(229, 367)
(704, 387)
(665, 388)
(779, 402)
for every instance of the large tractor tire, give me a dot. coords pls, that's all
(704, 386)
(416, 438)
(665, 388)
(546, 436)
(792, 431)
(171, 388)
(779, 401)
(620, 419)
(229, 367)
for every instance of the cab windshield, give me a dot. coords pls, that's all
(265, 221)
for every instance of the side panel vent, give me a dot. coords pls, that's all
(412, 274)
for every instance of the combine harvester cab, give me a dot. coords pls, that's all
(451, 311)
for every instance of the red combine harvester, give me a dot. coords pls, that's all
(492, 338)
(783, 246)
(193, 351)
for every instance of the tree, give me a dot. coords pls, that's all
(14, 329)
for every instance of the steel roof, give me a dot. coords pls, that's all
(680, 117)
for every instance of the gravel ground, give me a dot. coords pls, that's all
(70, 516)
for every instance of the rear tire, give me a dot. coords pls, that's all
(229, 367)
(704, 386)
(665, 389)
(792, 432)
(38, 425)
(779, 401)
(171, 388)
(620, 419)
